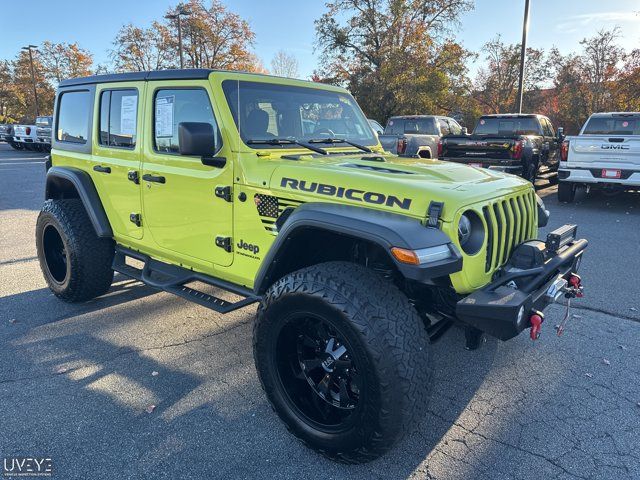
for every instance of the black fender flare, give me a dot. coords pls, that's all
(86, 192)
(382, 228)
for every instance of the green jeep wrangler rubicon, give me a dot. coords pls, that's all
(278, 191)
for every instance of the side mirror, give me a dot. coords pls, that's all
(560, 133)
(199, 139)
(379, 132)
(196, 138)
(465, 131)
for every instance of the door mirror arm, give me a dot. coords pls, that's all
(217, 162)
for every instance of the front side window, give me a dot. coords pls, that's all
(118, 118)
(174, 106)
(546, 126)
(455, 127)
(444, 127)
(73, 117)
(265, 112)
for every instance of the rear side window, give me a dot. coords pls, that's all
(118, 118)
(395, 126)
(547, 127)
(612, 126)
(171, 107)
(73, 117)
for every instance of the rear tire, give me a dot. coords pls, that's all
(76, 263)
(383, 374)
(566, 192)
(16, 145)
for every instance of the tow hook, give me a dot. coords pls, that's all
(536, 320)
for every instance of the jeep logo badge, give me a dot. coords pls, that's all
(248, 246)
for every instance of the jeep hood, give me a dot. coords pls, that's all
(391, 183)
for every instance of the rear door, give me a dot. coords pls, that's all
(117, 154)
(181, 209)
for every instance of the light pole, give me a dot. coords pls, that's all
(180, 12)
(523, 50)
(30, 48)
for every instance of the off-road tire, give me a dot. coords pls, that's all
(384, 329)
(16, 146)
(530, 170)
(88, 258)
(566, 192)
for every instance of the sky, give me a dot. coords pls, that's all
(288, 24)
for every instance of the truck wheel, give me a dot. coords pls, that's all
(566, 192)
(530, 172)
(344, 359)
(76, 263)
(16, 145)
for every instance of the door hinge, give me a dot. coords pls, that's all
(224, 193)
(136, 218)
(224, 243)
(133, 176)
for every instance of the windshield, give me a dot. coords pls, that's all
(612, 126)
(507, 126)
(264, 111)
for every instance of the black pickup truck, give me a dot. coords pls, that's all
(522, 144)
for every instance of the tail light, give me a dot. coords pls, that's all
(564, 151)
(518, 148)
(28, 130)
(402, 145)
(440, 148)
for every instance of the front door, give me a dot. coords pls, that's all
(181, 210)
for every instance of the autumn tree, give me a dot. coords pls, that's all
(496, 84)
(213, 37)
(396, 56)
(284, 64)
(23, 87)
(65, 60)
(139, 49)
(626, 91)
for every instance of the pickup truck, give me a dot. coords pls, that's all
(605, 154)
(417, 135)
(43, 133)
(26, 136)
(521, 144)
(6, 134)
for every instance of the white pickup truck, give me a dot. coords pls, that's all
(605, 154)
(26, 135)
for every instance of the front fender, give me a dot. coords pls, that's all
(382, 228)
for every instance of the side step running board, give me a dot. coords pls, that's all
(172, 279)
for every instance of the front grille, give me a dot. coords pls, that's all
(510, 222)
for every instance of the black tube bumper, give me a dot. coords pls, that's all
(503, 311)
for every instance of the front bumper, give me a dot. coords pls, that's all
(502, 309)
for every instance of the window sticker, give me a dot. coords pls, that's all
(164, 116)
(482, 122)
(128, 114)
(625, 124)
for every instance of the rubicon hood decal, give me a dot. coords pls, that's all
(373, 198)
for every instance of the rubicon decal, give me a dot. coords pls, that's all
(348, 193)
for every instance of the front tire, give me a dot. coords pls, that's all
(76, 263)
(566, 192)
(344, 359)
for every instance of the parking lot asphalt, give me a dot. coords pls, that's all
(77, 381)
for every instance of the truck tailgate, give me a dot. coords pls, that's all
(619, 151)
(477, 147)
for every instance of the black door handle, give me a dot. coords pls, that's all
(153, 178)
(101, 169)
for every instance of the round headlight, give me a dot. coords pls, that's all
(470, 232)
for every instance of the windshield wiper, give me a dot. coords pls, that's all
(341, 140)
(287, 141)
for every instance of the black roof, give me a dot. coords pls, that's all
(180, 74)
